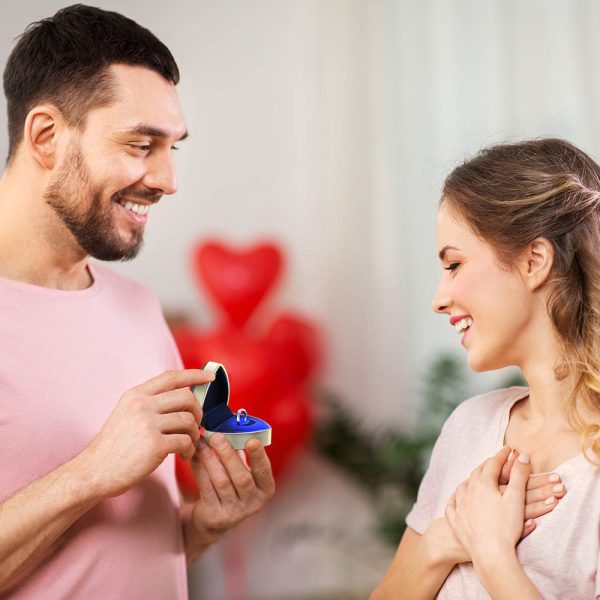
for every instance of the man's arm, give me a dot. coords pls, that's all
(33, 520)
(150, 421)
(230, 491)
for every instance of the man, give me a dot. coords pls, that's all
(93, 401)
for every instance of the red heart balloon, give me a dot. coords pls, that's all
(291, 417)
(249, 363)
(237, 280)
(297, 345)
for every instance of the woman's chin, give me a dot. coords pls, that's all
(480, 364)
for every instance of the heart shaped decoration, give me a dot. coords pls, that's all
(237, 280)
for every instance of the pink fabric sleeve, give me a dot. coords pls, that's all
(422, 512)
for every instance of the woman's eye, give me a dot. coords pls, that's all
(452, 266)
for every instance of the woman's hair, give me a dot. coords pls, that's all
(511, 194)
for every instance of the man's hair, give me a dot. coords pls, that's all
(65, 59)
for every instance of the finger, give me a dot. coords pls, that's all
(178, 400)
(172, 380)
(260, 467)
(557, 490)
(537, 509)
(460, 493)
(450, 512)
(217, 473)
(537, 481)
(178, 443)
(179, 422)
(208, 494)
(518, 478)
(493, 466)
(240, 476)
(507, 466)
(244, 458)
(528, 527)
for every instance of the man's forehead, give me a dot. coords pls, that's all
(145, 103)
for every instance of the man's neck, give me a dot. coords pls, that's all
(34, 246)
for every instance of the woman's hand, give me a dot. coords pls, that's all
(483, 519)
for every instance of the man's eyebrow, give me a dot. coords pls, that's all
(150, 131)
(442, 252)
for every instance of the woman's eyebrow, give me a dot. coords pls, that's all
(442, 252)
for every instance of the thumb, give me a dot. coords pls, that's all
(519, 476)
(507, 467)
(493, 466)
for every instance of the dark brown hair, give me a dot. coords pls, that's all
(64, 60)
(511, 194)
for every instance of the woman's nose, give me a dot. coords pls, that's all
(441, 301)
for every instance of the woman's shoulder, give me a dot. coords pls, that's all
(483, 410)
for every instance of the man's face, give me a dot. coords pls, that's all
(119, 165)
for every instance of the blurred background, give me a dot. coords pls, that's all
(325, 128)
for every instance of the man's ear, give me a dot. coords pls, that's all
(536, 263)
(43, 126)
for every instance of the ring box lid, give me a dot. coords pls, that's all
(213, 397)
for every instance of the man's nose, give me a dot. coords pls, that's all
(162, 176)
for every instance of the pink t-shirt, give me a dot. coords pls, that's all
(561, 556)
(67, 357)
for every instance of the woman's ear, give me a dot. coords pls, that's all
(41, 132)
(536, 263)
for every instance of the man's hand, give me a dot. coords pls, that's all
(230, 491)
(154, 419)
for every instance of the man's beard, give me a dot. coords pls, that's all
(79, 205)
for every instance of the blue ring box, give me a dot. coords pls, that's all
(239, 427)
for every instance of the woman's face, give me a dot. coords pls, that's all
(490, 304)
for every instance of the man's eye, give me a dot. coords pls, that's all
(452, 266)
(141, 147)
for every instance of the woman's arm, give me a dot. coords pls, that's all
(503, 577)
(421, 564)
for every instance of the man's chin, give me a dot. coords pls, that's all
(116, 254)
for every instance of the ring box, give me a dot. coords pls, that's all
(217, 417)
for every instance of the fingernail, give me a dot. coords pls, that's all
(209, 375)
(558, 488)
(523, 458)
(549, 501)
(511, 454)
(529, 523)
(219, 440)
(554, 477)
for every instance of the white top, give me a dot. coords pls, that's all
(561, 556)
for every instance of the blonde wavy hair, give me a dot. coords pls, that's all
(511, 194)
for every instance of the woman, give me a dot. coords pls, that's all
(519, 239)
